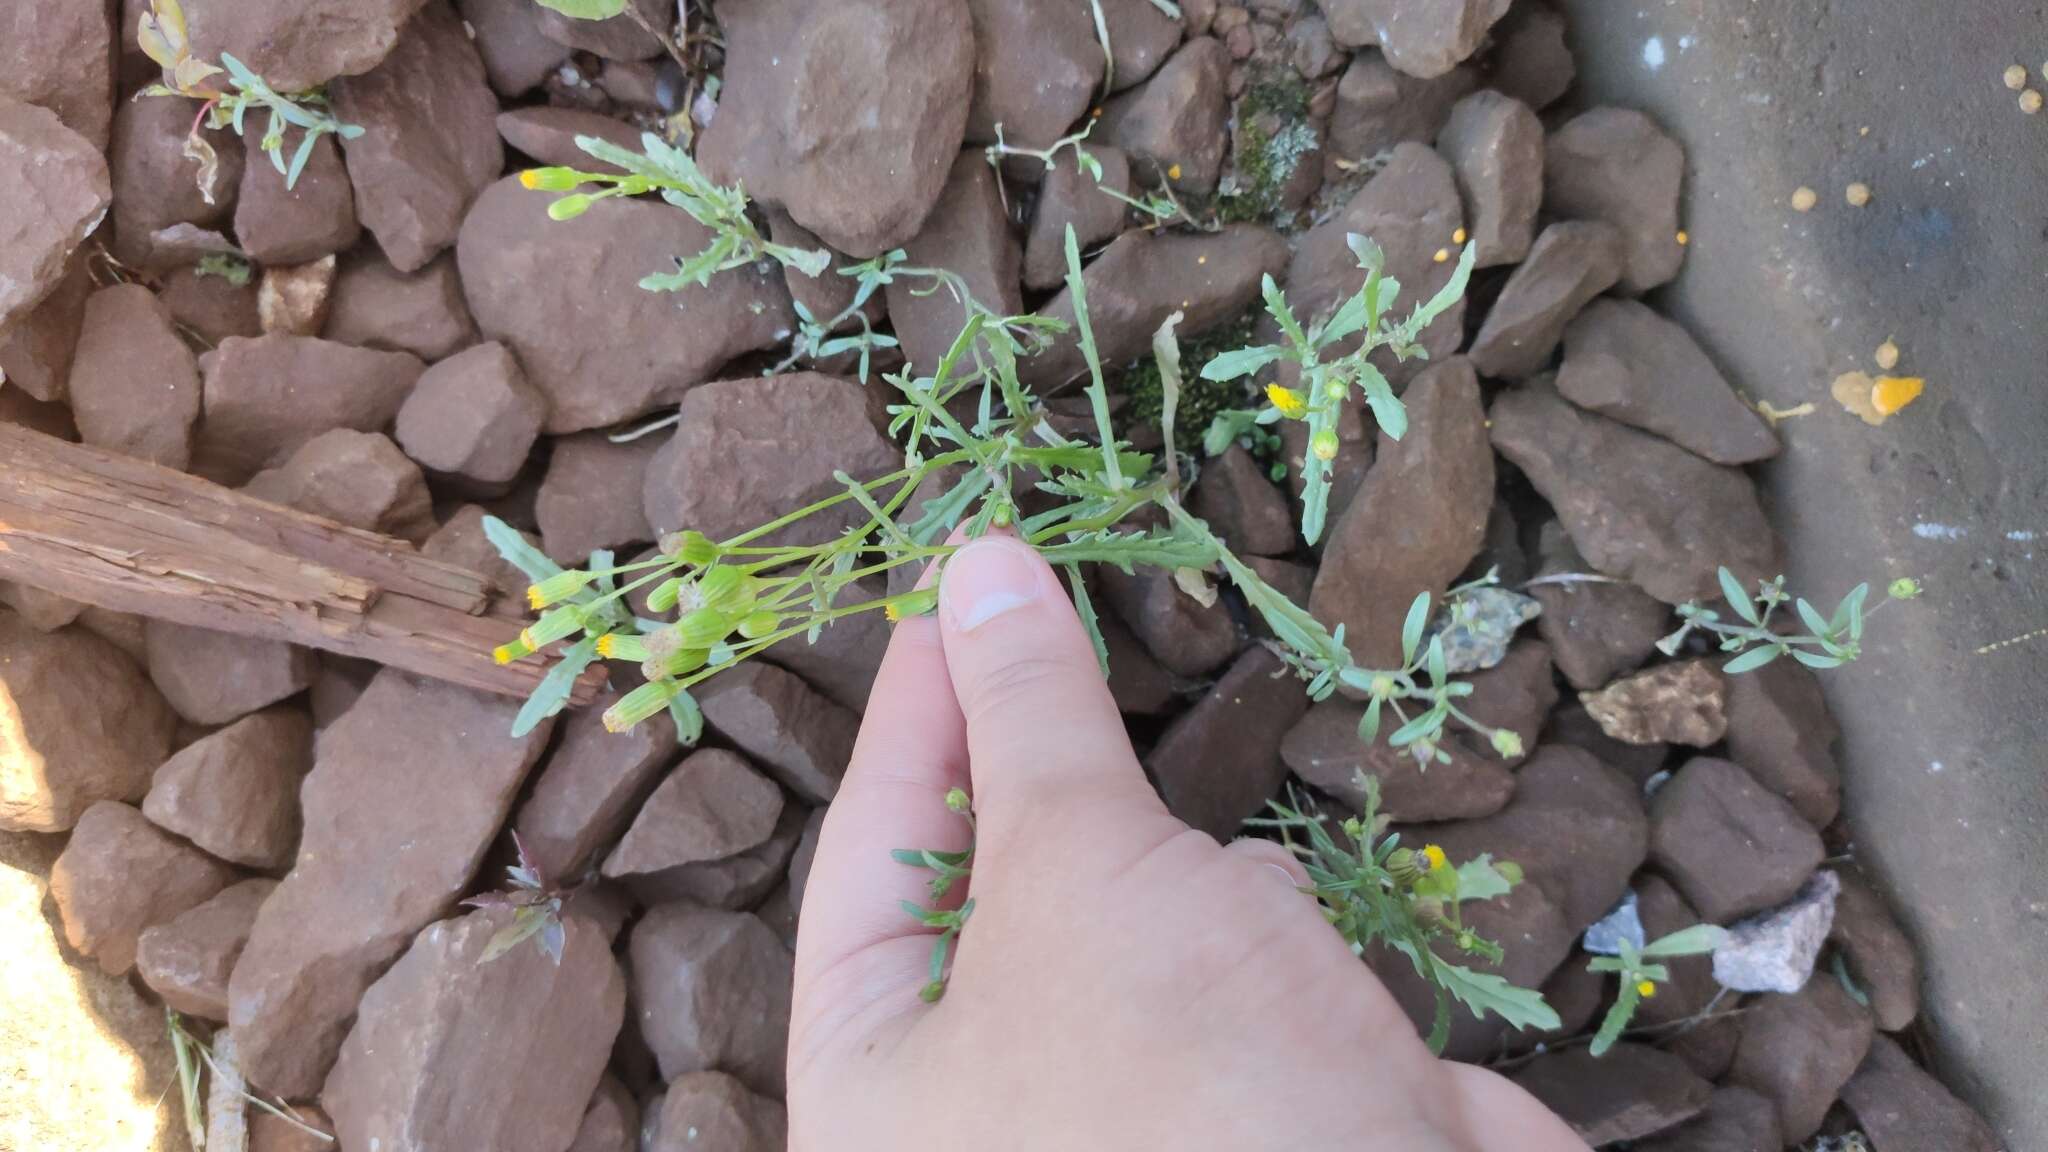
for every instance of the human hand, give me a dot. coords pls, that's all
(1126, 982)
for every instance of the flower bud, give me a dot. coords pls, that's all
(719, 587)
(553, 625)
(916, 603)
(1401, 864)
(1507, 743)
(1904, 588)
(703, 628)
(622, 646)
(957, 802)
(549, 179)
(639, 704)
(556, 589)
(691, 547)
(1324, 445)
(759, 624)
(568, 208)
(1290, 403)
(663, 598)
(1646, 989)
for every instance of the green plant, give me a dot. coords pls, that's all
(1323, 388)
(536, 905)
(161, 32)
(1830, 641)
(232, 269)
(946, 868)
(1375, 891)
(1641, 975)
(189, 1053)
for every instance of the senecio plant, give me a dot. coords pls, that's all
(161, 32)
(969, 426)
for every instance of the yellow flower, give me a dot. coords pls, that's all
(1458, 237)
(1435, 855)
(893, 613)
(1646, 989)
(1291, 403)
(1173, 173)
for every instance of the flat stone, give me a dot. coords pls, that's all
(120, 874)
(1903, 1109)
(714, 1110)
(1880, 954)
(40, 610)
(235, 792)
(590, 496)
(1632, 1092)
(612, 1121)
(473, 415)
(711, 806)
(1141, 40)
(591, 786)
(1144, 277)
(1324, 749)
(213, 677)
(156, 185)
(79, 723)
(1495, 145)
(1219, 762)
(714, 476)
(618, 37)
(213, 306)
(1800, 1050)
(565, 296)
(1418, 519)
(460, 541)
(1615, 164)
(266, 397)
(1638, 507)
(1730, 846)
(737, 883)
(1186, 637)
(1626, 362)
(1379, 107)
(1140, 685)
(1175, 126)
(847, 113)
(1780, 729)
(1036, 68)
(1240, 503)
(711, 989)
(1734, 1120)
(968, 233)
(55, 192)
(1677, 703)
(61, 57)
(186, 960)
(517, 55)
(1597, 628)
(302, 46)
(430, 137)
(294, 299)
(315, 217)
(782, 724)
(360, 479)
(1571, 263)
(449, 1050)
(408, 789)
(1531, 61)
(374, 305)
(1776, 951)
(1422, 40)
(548, 135)
(35, 354)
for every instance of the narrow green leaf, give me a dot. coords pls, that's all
(1387, 410)
(551, 695)
(1411, 628)
(1085, 608)
(517, 552)
(1816, 660)
(1478, 879)
(1616, 1020)
(1812, 617)
(1753, 659)
(1691, 941)
(1485, 992)
(1369, 722)
(689, 719)
(1731, 591)
(1241, 362)
(586, 9)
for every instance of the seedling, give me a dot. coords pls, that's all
(190, 1053)
(536, 909)
(232, 269)
(162, 36)
(1830, 642)
(947, 868)
(1641, 975)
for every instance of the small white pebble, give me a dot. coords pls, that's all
(1804, 199)
(2030, 102)
(1888, 355)
(2015, 77)
(1857, 194)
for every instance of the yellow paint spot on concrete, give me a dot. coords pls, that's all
(1857, 194)
(1804, 199)
(2015, 77)
(2030, 102)
(1892, 393)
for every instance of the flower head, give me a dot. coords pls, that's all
(1291, 403)
(1646, 989)
(1435, 855)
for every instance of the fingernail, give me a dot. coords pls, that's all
(986, 579)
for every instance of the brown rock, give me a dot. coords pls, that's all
(1531, 61)
(565, 296)
(712, 805)
(548, 134)
(156, 185)
(616, 38)
(294, 299)
(35, 354)
(214, 677)
(303, 46)
(1903, 1109)
(1036, 68)
(1535, 939)
(61, 57)
(1419, 517)
(1615, 164)
(1597, 629)
(612, 1121)
(1411, 210)
(269, 1133)
(1638, 507)
(266, 397)
(1632, 1092)
(1678, 703)
(1140, 685)
(1730, 846)
(830, 293)
(1186, 637)
(1515, 695)
(42, 611)
(857, 147)
(120, 874)
(1312, 49)
(1880, 955)
(55, 191)
(186, 960)
(120, 629)
(533, 1034)
(711, 989)
(1240, 503)
(1800, 1051)
(374, 305)
(1379, 107)
(235, 792)
(590, 788)
(1175, 126)
(848, 653)
(430, 137)
(213, 306)
(1572, 262)
(134, 387)
(78, 724)
(473, 415)
(315, 217)
(1325, 750)
(1422, 40)
(1495, 145)
(1575, 825)
(1734, 1120)
(713, 1110)
(408, 789)
(590, 497)
(1141, 39)
(461, 541)
(967, 232)
(714, 477)
(517, 55)
(736, 883)
(1780, 729)
(1627, 363)
(798, 736)
(1219, 762)
(1571, 725)
(1142, 278)
(340, 682)
(1070, 197)
(360, 479)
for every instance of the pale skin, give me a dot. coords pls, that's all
(1126, 982)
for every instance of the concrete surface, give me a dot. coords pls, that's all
(1945, 734)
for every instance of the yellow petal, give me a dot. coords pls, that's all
(1892, 393)
(1852, 390)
